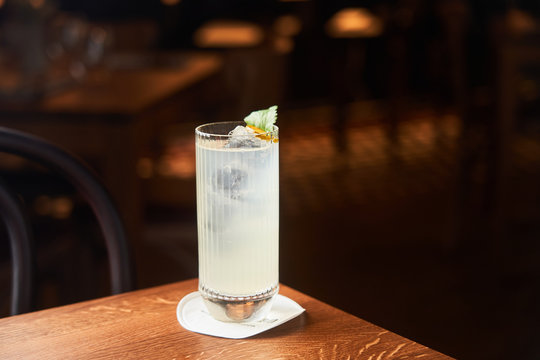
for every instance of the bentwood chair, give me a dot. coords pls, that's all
(69, 167)
(19, 234)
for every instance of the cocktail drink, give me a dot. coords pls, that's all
(238, 219)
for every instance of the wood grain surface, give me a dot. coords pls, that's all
(142, 325)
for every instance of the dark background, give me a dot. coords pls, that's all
(410, 164)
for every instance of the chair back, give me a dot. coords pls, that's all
(74, 170)
(19, 234)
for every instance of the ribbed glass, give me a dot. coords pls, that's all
(237, 214)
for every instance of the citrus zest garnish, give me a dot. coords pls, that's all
(262, 134)
(256, 129)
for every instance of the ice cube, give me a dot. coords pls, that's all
(243, 137)
(230, 181)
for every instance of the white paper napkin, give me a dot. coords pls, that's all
(193, 316)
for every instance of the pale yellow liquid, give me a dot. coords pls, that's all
(238, 225)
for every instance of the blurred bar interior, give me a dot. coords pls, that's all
(410, 148)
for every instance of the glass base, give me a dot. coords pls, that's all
(238, 309)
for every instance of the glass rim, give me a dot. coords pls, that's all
(200, 132)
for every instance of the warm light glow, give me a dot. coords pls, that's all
(58, 208)
(520, 22)
(170, 2)
(225, 33)
(283, 45)
(36, 4)
(178, 160)
(287, 25)
(177, 166)
(352, 23)
(62, 208)
(2, 2)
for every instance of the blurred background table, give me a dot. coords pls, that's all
(111, 117)
(143, 324)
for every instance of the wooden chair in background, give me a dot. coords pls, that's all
(54, 158)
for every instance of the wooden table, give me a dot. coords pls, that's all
(142, 325)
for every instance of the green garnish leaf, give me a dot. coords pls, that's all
(263, 119)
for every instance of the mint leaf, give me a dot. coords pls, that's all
(263, 119)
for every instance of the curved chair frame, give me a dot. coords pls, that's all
(88, 185)
(20, 238)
